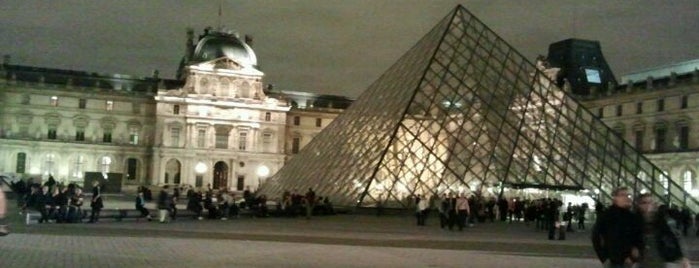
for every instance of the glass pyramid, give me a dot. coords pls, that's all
(462, 111)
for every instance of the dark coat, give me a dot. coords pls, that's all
(616, 233)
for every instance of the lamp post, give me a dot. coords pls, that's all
(200, 169)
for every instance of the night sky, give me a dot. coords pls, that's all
(330, 46)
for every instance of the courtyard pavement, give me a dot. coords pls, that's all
(346, 240)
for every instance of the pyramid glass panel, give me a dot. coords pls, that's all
(464, 112)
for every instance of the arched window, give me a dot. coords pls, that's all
(50, 164)
(78, 167)
(688, 180)
(105, 164)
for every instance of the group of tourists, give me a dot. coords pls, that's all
(639, 234)
(57, 203)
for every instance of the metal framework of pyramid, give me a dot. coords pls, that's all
(462, 111)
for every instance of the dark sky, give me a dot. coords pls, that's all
(331, 46)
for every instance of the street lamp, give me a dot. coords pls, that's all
(200, 169)
(262, 173)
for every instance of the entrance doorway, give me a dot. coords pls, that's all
(220, 175)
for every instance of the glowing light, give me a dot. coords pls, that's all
(200, 168)
(262, 171)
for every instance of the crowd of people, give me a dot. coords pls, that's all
(56, 202)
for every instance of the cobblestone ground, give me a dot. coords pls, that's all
(329, 241)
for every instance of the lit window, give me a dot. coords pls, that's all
(54, 100)
(268, 116)
(110, 105)
(243, 141)
(593, 76)
(78, 167)
(50, 164)
(105, 164)
(133, 137)
(687, 180)
(175, 137)
(222, 140)
(201, 138)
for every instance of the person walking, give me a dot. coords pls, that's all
(662, 245)
(163, 205)
(141, 206)
(96, 203)
(617, 235)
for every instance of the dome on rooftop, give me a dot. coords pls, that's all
(213, 45)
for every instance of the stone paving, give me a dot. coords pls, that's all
(351, 240)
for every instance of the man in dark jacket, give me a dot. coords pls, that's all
(618, 234)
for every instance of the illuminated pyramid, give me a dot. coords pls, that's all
(462, 111)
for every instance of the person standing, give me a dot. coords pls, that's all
(663, 245)
(96, 203)
(462, 211)
(3, 211)
(617, 235)
(310, 202)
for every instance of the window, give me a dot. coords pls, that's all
(54, 100)
(21, 163)
(105, 164)
(107, 137)
(109, 105)
(268, 116)
(133, 137)
(600, 112)
(176, 109)
(175, 137)
(639, 108)
(80, 135)
(82, 103)
(684, 102)
(52, 134)
(593, 76)
(131, 168)
(243, 141)
(267, 137)
(319, 122)
(687, 180)
(295, 144)
(50, 164)
(297, 120)
(639, 140)
(78, 167)
(684, 137)
(660, 134)
(619, 110)
(222, 140)
(661, 105)
(201, 138)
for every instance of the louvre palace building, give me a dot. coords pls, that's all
(218, 123)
